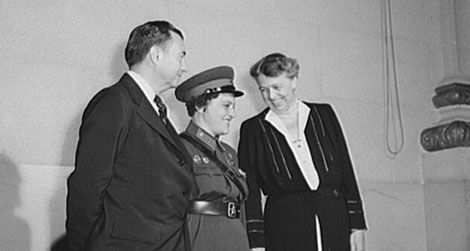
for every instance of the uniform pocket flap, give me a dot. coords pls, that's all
(136, 231)
(207, 170)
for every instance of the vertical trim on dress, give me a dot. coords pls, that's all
(318, 143)
(321, 120)
(269, 144)
(322, 127)
(282, 155)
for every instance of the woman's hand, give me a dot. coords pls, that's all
(358, 240)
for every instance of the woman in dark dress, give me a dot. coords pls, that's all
(296, 154)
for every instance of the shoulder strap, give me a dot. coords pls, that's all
(231, 174)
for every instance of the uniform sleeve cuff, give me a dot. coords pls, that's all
(256, 240)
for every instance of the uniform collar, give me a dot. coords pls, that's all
(201, 135)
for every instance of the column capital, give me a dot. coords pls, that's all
(455, 93)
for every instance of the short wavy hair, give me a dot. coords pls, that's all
(199, 102)
(274, 65)
(144, 36)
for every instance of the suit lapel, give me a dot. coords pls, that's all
(147, 113)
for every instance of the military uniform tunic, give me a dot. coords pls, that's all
(209, 232)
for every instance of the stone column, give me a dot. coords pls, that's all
(446, 144)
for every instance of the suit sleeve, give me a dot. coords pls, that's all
(248, 162)
(349, 185)
(101, 133)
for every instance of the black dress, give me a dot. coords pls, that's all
(288, 222)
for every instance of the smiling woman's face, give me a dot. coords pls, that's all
(218, 113)
(278, 92)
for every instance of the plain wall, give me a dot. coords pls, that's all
(57, 54)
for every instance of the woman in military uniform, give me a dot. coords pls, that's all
(295, 152)
(214, 221)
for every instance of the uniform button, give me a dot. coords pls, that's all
(181, 162)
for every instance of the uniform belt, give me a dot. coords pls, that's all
(231, 209)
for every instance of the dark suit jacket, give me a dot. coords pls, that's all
(132, 181)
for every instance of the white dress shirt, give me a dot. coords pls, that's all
(148, 91)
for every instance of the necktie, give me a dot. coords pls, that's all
(162, 112)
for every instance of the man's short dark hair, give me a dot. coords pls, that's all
(199, 102)
(144, 36)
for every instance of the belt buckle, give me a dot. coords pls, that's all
(233, 211)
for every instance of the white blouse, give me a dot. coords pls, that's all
(298, 146)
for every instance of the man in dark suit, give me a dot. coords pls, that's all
(132, 182)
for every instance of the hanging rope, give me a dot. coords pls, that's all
(394, 139)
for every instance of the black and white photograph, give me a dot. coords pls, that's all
(223, 125)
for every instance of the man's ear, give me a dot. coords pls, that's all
(155, 55)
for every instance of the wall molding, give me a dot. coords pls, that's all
(452, 94)
(446, 136)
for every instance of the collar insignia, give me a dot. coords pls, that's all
(197, 159)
